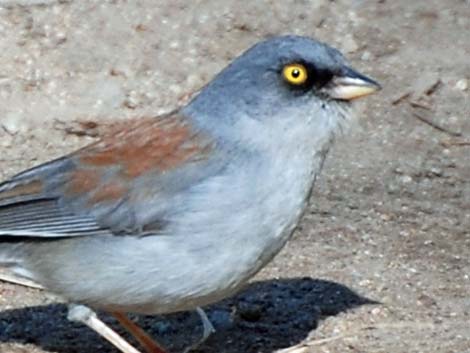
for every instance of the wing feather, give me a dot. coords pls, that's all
(100, 188)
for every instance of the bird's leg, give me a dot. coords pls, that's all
(207, 327)
(206, 324)
(88, 317)
(140, 335)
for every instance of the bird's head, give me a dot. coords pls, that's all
(282, 81)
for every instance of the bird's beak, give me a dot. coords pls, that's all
(351, 85)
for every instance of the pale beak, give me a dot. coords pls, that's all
(351, 85)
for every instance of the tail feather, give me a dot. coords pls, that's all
(11, 269)
(11, 276)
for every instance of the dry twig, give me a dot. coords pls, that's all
(435, 125)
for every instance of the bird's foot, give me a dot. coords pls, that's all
(85, 315)
(208, 329)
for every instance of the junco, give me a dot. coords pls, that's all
(178, 211)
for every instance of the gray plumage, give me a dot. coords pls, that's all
(192, 234)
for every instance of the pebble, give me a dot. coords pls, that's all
(366, 56)
(12, 123)
(349, 44)
(132, 100)
(249, 312)
(462, 84)
(406, 179)
(376, 311)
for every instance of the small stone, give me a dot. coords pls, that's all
(462, 84)
(249, 312)
(12, 123)
(132, 100)
(349, 44)
(385, 217)
(376, 311)
(175, 89)
(436, 171)
(406, 179)
(366, 56)
(353, 17)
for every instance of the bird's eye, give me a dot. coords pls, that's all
(295, 74)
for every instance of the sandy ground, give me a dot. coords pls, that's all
(381, 261)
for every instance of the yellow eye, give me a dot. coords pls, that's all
(295, 74)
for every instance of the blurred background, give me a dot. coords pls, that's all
(381, 261)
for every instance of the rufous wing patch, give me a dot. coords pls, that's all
(82, 181)
(108, 192)
(148, 144)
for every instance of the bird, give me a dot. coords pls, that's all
(174, 212)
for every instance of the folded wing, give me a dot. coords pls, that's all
(105, 187)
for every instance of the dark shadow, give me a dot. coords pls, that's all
(264, 317)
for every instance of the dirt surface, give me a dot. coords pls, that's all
(381, 261)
